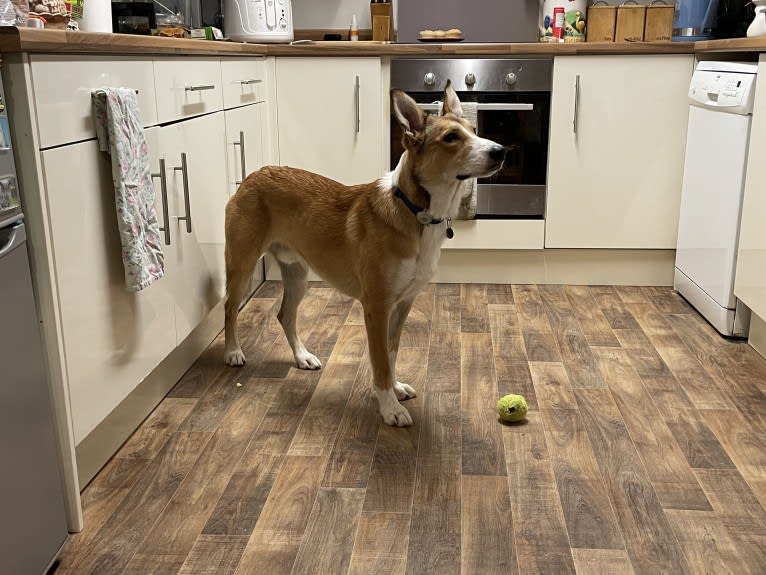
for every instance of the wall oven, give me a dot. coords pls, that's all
(513, 99)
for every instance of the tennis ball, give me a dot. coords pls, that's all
(512, 407)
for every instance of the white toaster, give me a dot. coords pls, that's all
(258, 20)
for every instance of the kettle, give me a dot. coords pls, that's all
(260, 21)
(758, 26)
(694, 20)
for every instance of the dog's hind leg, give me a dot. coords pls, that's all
(239, 269)
(294, 274)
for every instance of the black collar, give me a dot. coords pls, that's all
(421, 214)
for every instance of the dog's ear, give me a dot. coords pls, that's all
(410, 115)
(451, 102)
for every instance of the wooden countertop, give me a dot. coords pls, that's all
(59, 41)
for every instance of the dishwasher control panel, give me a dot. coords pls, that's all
(726, 91)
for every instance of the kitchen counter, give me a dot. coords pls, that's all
(60, 41)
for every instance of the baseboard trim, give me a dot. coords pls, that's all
(547, 266)
(757, 335)
(95, 450)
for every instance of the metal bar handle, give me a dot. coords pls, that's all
(16, 236)
(241, 145)
(187, 204)
(487, 107)
(164, 191)
(248, 82)
(576, 103)
(199, 88)
(356, 97)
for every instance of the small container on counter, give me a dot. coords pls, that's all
(630, 22)
(562, 21)
(659, 21)
(601, 22)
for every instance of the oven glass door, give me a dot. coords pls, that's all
(518, 121)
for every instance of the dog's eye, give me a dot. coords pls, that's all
(451, 137)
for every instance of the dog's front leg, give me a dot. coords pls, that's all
(376, 321)
(395, 327)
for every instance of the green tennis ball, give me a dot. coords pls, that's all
(512, 408)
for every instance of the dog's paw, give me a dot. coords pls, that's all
(404, 391)
(306, 360)
(396, 415)
(235, 358)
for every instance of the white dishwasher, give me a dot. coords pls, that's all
(720, 109)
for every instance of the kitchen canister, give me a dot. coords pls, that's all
(630, 22)
(602, 18)
(562, 20)
(659, 21)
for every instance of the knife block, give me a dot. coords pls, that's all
(381, 16)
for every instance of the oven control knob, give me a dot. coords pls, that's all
(429, 79)
(470, 79)
(510, 78)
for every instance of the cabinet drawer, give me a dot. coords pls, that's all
(63, 86)
(497, 235)
(187, 87)
(243, 81)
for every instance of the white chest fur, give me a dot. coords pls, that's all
(414, 273)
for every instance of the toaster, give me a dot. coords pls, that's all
(258, 21)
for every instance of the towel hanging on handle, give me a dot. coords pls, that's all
(119, 132)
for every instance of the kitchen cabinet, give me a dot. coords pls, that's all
(615, 166)
(194, 152)
(113, 338)
(330, 116)
(750, 278)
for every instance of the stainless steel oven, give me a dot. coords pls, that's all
(513, 99)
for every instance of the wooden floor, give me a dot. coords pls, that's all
(644, 450)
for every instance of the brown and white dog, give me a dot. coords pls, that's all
(377, 242)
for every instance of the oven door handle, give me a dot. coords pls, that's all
(487, 107)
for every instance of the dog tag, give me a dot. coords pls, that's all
(450, 231)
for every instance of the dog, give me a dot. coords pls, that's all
(377, 242)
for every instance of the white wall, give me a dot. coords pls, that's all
(332, 14)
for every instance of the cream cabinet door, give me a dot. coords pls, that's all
(330, 116)
(113, 337)
(244, 143)
(617, 139)
(195, 161)
(750, 279)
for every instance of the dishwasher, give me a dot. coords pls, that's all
(33, 527)
(721, 96)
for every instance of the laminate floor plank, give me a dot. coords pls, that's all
(473, 309)
(380, 545)
(482, 438)
(540, 533)
(602, 562)
(277, 536)
(487, 540)
(667, 467)
(434, 542)
(575, 349)
(594, 324)
(539, 341)
(329, 539)
(587, 510)
(649, 539)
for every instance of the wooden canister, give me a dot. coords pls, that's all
(630, 22)
(601, 22)
(659, 21)
(381, 17)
